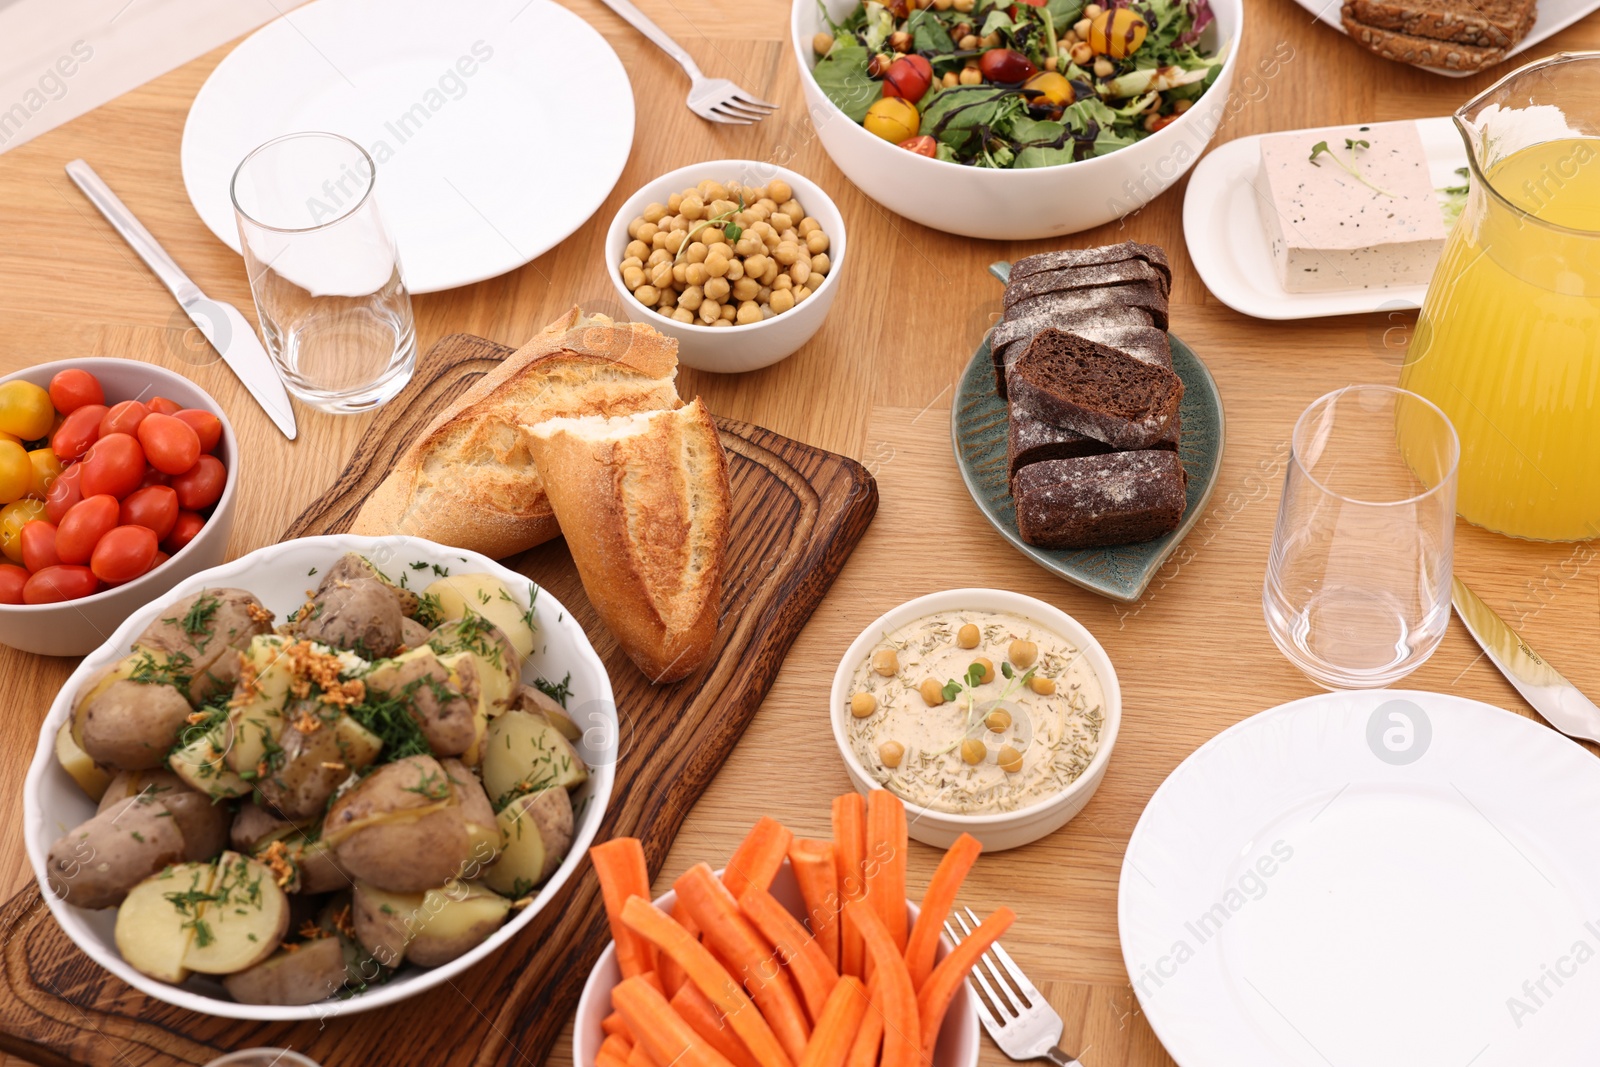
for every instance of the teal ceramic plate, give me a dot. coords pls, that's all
(978, 431)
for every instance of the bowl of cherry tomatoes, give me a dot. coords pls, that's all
(116, 483)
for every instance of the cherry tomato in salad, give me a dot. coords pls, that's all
(205, 425)
(1005, 67)
(81, 529)
(55, 584)
(201, 485)
(79, 430)
(1117, 32)
(25, 410)
(123, 554)
(39, 545)
(1048, 87)
(72, 388)
(183, 531)
(154, 507)
(160, 405)
(114, 464)
(892, 118)
(12, 580)
(908, 78)
(170, 445)
(922, 146)
(64, 493)
(124, 418)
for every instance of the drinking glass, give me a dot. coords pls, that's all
(263, 1057)
(1357, 593)
(324, 271)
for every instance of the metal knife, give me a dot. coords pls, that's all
(1551, 695)
(227, 330)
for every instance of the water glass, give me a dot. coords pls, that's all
(1358, 584)
(263, 1057)
(324, 271)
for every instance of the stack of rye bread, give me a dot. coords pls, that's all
(1447, 34)
(580, 433)
(1082, 359)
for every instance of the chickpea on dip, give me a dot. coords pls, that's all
(975, 712)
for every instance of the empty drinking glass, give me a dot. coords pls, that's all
(263, 1057)
(324, 271)
(1358, 584)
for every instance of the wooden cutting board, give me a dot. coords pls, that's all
(797, 514)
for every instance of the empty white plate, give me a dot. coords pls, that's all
(1391, 879)
(498, 126)
(1228, 242)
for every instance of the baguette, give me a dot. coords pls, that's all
(470, 481)
(643, 502)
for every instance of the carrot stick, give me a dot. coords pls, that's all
(662, 1032)
(902, 1045)
(936, 905)
(885, 862)
(730, 934)
(613, 1025)
(940, 988)
(864, 1049)
(849, 848)
(758, 857)
(710, 977)
(698, 1011)
(797, 949)
(813, 866)
(671, 975)
(621, 867)
(604, 1058)
(836, 1026)
(639, 1056)
(681, 916)
(615, 1044)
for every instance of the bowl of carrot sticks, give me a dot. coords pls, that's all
(799, 953)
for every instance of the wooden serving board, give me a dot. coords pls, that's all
(797, 514)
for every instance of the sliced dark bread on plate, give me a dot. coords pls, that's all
(1080, 385)
(1482, 23)
(1143, 342)
(1099, 276)
(1087, 257)
(1144, 295)
(1420, 51)
(1113, 499)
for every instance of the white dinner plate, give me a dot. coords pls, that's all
(1391, 879)
(498, 126)
(1554, 16)
(1228, 241)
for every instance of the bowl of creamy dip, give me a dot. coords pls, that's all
(988, 712)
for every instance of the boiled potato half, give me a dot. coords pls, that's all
(532, 698)
(197, 638)
(300, 973)
(428, 928)
(156, 924)
(203, 824)
(535, 834)
(486, 595)
(90, 776)
(524, 753)
(200, 764)
(242, 921)
(99, 862)
(441, 694)
(255, 715)
(128, 717)
(316, 752)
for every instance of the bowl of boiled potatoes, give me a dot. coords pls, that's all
(735, 259)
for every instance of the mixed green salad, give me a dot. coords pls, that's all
(1016, 83)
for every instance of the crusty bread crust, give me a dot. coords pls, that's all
(644, 505)
(470, 481)
(1484, 25)
(1419, 51)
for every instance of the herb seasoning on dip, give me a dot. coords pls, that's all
(975, 712)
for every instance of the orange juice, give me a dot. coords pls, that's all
(1508, 344)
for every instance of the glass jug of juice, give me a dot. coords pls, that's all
(1508, 343)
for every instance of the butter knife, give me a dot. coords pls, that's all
(1540, 684)
(227, 330)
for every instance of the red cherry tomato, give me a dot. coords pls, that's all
(201, 485)
(124, 418)
(170, 444)
(124, 554)
(154, 477)
(81, 529)
(908, 78)
(55, 584)
(65, 491)
(154, 507)
(79, 430)
(160, 405)
(188, 524)
(39, 545)
(922, 146)
(12, 581)
(114, 464)
(161, 557)
(71, 389)
(1005, 67)
(205, 425)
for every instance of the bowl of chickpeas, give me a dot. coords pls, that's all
(735, 259)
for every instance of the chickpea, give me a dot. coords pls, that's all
(951, 78)
(632, 261)
(754, 194)
(636, 249)
(735, 269)
(680, 274)
(988, 669)
(717, 263)
(974, 751)
(820, 263)
(781, 282)
(746, 288)
(647, 232)
(1104, 68)
(997, 720)
(714, 235)
(692, 208)
(932, 692)
(749, 312)
(722, 322)
(778, 190)
(674, 202)
(1052, 62)
(696, 252)
(656, 212)
(770, 275)
(801, 271)
(756, 265)
(885, 662)
(1042, 685)
(717, 289)
(964, 6)
(1093, 11)
(633, 277)
(801, 292)
(660, 255)
(696, 274)
(1069, 39)
(1009, 759)
(710, 311)
(678, 222)
(780, 221)
(661, 274)
(1082, 53)
(781, 300)
(728, 314)
(891, 753)
(691, 298)
(647, 295)
(1081, 28)
(942, 5)
(669, 299)
(1179, 106)
(683, 315)
(817, 241)
(764, 298)
(1022, 653)
(991, 41)
(807, 224)
(712, 190)
(863, 704)
(790, 206)
(822, 43)
(674, 240)
(968, 636)
(787, 253)
(659, 240)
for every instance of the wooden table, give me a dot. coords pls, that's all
(875, 383)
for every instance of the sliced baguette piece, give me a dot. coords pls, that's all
(470, 480)
(1420, 51)
(1482, 23)
(644, 504)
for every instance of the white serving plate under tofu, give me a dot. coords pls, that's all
(1230, 247)
(1554, 16)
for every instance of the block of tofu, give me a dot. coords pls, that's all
(1331, 230)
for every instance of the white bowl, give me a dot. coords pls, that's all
(731, 349)
(958, 1038)
(1011, 205)
(1006, 829)
(73, 627)
(53, 803)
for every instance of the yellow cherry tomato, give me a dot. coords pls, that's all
(25, 410)
(1048, 87)
(892, 118)
(1117, 33)
(46, 469)
(16, 472)
(13, 517)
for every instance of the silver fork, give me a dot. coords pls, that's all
(715, 99)
(1014, 1012)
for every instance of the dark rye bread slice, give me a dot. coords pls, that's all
(1088, 257)
(1420, 51)
(1104, 324)
(1146, 296)
(1115, 499)
(1088, 388)
(1482, 23)
(1127, 272)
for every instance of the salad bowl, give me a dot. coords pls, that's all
(1015, 204)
